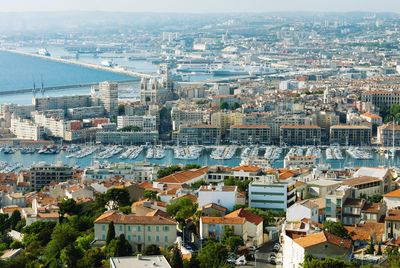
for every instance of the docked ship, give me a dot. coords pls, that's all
(193, 68)
(43, 52)
(235, 70)
(107, 63)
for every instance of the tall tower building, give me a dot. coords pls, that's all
(108, 97)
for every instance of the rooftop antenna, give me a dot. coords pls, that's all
(42, 88)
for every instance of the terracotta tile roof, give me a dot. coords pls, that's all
(222, 220)
(146, 200)
(393, 215)
(300, 127)
(183, 176)
(52, 215)
(206, 188)
(395, 193)
(10, 209)
(350, 127)
(322, 237)
(215, 206)
(364, 231)
(286, 175)
(160, 213)
(371, 115)
(360, 180)
(251, 126)
(193, 198)
(371, 207)
(242, 213)
(246, 168)
(119, 218)
(146, 185)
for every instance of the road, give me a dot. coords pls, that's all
(263, 254)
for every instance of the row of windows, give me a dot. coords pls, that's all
(138, 228)
(268, 201)
(266, 193)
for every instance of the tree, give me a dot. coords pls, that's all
(371, 247)
(336, 228)
(312, 262)
(234, 242)
(176, 258)
(39, 231)
(193, 263)
(14, 219)
(92, 258)
(152, 250)
(191, 166)
(182, 209)
(62, 236)
(70, 255)
(117, 197)
(235, 106)
(130, 129)
(213, 254)
(110, 232)
(69, 206)
(150, 194)
(224, 106)
(123, 248)
(168, 171)
(121, 109)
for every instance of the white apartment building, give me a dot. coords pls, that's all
(26, 129)
(186, 117)
(303, 209)
(53, 126)
(225, 196)
(270, 193)
(146, 123)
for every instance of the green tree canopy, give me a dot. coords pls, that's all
(116, 197)
(176, 258)
(168, 171)
(152, 250)
(336, 228)
(181, 209)
(213, 254)
(110, 232)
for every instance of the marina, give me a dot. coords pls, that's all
(84, 155)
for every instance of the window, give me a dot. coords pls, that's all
(120, 228)
(103, 227)
(157, 228)
(158, 238)
(129, 228)
(129, 238)
(166, 228)
(149, 238)
(148, 228)
(103, 237)
(138, 228)
(139, 238)
(166, 239)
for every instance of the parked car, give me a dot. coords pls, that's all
(241, 261)
(277, 246)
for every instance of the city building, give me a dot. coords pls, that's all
(140, 231)
(146, 123)
(389, 135)
(392, 199)
(299, 161)
(26, 129)
(107, 96)
(226, 196)
(381, 98)
(126, 137)
(392, 224)
(198, 134)
(304, 209)
(300, 135)
(270, 193)
(43, 174)
(139, 261)
(250, 134)
(347, 135)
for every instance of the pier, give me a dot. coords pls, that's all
(83, 64)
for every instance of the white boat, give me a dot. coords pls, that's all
(193, 68)
(108, 63)
(43, 52)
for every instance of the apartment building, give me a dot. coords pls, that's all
(347, 135)
(146, 123)
(79, 113)
(270, 193)
(290, 119)
(250, 134)
(26, 129)
(300, 135)
(299, 161)
(106, 95)
(226, 196)
(43, 174)
(224, 120)
(198, 134)
(187, 117)
(392, 224)
(127, 138)
(389, 134)
(366, 186)
(140, 231)
(61, 102)
(381, 98)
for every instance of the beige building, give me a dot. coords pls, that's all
(140, 231)
(26, 129)
(224, 120)
(186, 117)
(381, 98)
(198, 134)
(250, 134)
(389, 133)
(300, 135)
(350, 135)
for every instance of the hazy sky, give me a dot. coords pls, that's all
(201, 5)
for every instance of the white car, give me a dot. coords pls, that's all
(241, 261)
